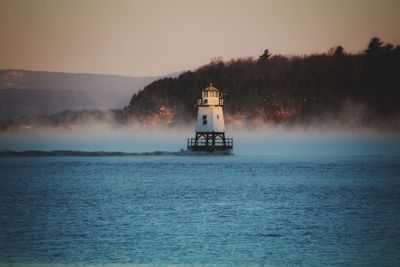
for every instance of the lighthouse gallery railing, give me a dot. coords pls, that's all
(191, 142)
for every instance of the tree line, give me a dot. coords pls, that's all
(276, 88)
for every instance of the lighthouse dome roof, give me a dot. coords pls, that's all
(210, 88)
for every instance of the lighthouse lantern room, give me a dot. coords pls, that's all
(210, 126)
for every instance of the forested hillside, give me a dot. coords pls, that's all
(335, 87)
(283, 89)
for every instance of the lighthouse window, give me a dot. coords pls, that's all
(204, 119)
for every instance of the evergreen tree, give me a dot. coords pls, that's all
(265, 56)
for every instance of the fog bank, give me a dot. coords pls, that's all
(266, 140)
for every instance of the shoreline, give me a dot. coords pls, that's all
(74, 153)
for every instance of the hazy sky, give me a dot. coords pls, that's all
(142, 38)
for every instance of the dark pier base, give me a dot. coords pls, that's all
(210, 142)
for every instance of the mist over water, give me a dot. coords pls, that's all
(308, 142)
(265, 140)
(95, 138)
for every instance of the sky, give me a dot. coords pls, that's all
(157, 37)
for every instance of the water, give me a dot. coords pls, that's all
(208, 211)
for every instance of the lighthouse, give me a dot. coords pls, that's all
(210, 126)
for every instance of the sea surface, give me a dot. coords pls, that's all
(239, 210)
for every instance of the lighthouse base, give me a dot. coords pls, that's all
(210, 142)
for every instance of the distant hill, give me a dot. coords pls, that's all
(23, 79)
(25, 92)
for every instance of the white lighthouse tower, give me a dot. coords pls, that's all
(210, 126)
